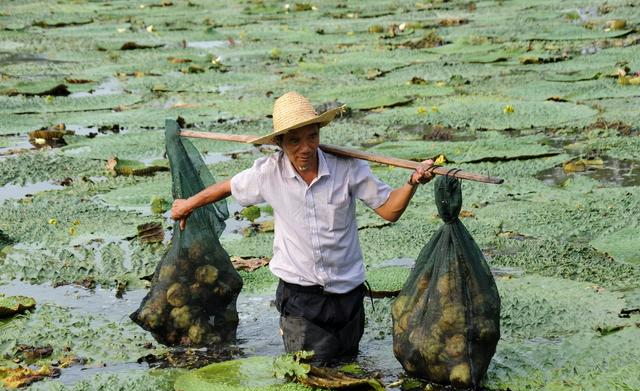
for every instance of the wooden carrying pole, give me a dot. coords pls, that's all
(354, 153)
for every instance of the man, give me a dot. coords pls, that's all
(316, 252)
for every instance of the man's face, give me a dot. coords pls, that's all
(301, 147)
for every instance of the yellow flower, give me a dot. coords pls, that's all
(275, 53)
(421, 110)
(508, 109)
(434, 109)
(53, 221)
(73, 231)
(440, 160)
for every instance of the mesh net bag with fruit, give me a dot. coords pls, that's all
(192, 301)
(446, 320)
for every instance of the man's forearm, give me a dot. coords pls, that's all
(211, 194)
(397, 202)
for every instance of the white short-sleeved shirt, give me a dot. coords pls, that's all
(316, 235)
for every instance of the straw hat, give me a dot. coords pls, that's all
(292, 111)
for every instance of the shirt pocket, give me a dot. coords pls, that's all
(339, 212)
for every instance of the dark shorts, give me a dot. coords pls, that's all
(329, 324)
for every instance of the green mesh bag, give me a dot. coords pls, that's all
(446, 320)
(192, 301)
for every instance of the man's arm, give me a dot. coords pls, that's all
(181, 208)
(399, 198)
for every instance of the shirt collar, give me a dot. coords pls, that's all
(290, 172)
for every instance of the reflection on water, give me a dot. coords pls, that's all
(70, 376)
(11, 191)
(614, 172)
(207, 44)
(97, 301)
(18, 144)
(111, 86)
(215, 157)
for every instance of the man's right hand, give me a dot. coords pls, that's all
(180, 210)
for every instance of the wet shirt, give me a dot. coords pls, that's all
(316, 235)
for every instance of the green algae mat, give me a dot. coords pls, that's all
(524, 91)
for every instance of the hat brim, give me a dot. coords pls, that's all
(322, 119)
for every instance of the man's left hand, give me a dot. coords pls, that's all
(422, 174)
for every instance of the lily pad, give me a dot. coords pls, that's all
(622, 245)
(570, 32)
(485, 113)
(252, 373)
(585, 360)
(12, 305)
(133, 167)
(493, 147)
(334, 379)
(13, 378)
(38, 90)
(136, 46)
(568, 307)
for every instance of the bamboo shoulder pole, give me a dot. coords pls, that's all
(354, 153)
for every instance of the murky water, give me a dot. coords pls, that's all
(19, 144)
(614, 172)
(402, 262)
(11, 191)
(258, 331)
(207, 44)
(70, 376)
(215, 157)
(110, 86)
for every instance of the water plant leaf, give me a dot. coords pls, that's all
(337, 380)
(132, 167)
(541, 59)
(13, 378)
(377, 102)
(292, 365)
(586, 360)
(249, 264)
(251, 373)
(12, 305)
(622, 245)
(78, 81)
(574, 76)
(58, 23)
(32, 353)
(578, 165)
(159, 205)
(150, 232)
(251, 213)
(37, 90)
(430, 39)
(135, 46)
(495, 147)
(487, 114)
(572, 32)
